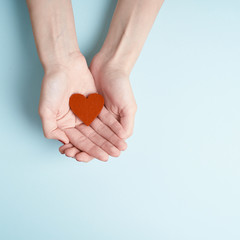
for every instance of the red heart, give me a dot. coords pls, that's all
(86, 108)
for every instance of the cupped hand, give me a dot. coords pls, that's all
(98, 140)
(113, 83)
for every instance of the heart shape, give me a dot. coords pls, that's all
(86, 108)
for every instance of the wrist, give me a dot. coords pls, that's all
(114, 60)
(60, 56)
(64, 62)
(103, 65)
(53, 30)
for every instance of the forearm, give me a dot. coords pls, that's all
(131, 23)
(53, 29)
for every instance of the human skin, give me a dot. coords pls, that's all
(112, 66)
(66, 72)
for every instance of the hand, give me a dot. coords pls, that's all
(97, 140)
(114, 85)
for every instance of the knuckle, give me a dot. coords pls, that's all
(104, 145)
(116, 125)
(93, 149)
(81, 127)
(92, 135)
(81, 139)
(119, 142)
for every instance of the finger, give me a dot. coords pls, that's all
(98, 140)
(65, 147)
(51, 130)
(107, 118)
(72, 152)
(108, 134)
(84, 144)
(83, 157)
(127, 119)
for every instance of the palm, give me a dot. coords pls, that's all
(59, 85)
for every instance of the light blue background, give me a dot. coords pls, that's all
(179, 178)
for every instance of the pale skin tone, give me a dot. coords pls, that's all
(66, 72)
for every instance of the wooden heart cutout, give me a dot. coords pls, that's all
(86, 108)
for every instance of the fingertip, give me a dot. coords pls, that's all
(114, 152)
(65, 147)
(104, 157)
(66, 140)
(129, 134)
(123, 146)
(83, 157)
(61, 136)
(60, 150)
(71, 152)
(123, 134)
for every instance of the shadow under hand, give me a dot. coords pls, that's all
(29, 83)
(102, 30)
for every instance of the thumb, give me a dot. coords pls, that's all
(51, 130)
(127, 119)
